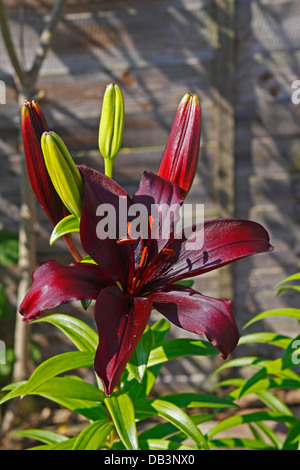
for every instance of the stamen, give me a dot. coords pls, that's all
(169, 252)
(157, 262)
(144, 257)
(126, 241)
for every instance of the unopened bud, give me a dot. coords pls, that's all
(33, 124)
(111, 126)
(180, 158)
(64, 174)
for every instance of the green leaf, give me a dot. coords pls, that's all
(267, 338)
(164, 430)
(260, 385)
(282, 289)
(292, 439)
(9, 248)
(67, 225)
(180, 419)
(160, 330)
(270, 368)
(138, 361)
(88, 259)
(73, 387)
(93, 436)
(162, 444)
(47, 437)
(57, 365)
(237, 420)
(240, 443)
(277, 312)
(121, 410)
(144, 408)
(14, 392)
(270, 434)
(199, 400)
(178, 347)
(78, 396)
(64, 445)
(81, 334)
(274, 403)
(140, 390)
(185, 282)
(291, 356)
(241, 362)
(293, 277)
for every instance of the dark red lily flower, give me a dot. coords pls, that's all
(180, 159)
(34, 124)
(133, 275)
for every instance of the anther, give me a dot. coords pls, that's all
(144, 257)
(126, 241)
(169, 252)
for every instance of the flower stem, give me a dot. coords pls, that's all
(72, 248)
(108, 165)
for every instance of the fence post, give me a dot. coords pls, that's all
(224, 16)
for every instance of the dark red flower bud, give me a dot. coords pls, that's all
(180, 158)
(33, 124)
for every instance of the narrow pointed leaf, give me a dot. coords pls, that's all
(181, 420)
(291, 356)
(292, 439)
(277, 312)
(57, 365)
(237, 420)
(67, 225)
(93, 436)
(122, 412)
(267, 338)
(160, 330)
(42, 435)
(178, 347)
(163, 444)
(164, 430)
(81, 334)
(138, 361)
(239, 443)
(270, 368)
(293, 277)
(64, 445)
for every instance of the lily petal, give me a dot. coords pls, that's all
(199, 314)
(162, 200)
(121, 321)
(221, 241)
(98, 190)
(55, 284)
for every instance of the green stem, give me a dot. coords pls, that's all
(108, 166)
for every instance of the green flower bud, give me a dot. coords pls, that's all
(111, 126)
(64, 174)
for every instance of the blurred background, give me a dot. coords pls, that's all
(240, 56)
